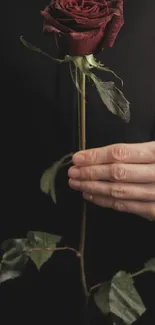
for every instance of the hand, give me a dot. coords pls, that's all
(119, 176)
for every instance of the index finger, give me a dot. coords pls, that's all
(122, 152)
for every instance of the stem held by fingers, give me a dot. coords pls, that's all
(83, 147)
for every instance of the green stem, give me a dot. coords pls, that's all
(139, 272)
(58, 249)
(83, 147)
(79, 110)
(96, 286)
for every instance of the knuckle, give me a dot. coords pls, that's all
(92, 156)
(118, 191)
(88, 173)
(83, 173)
(118, 172)
(119, 153)
(150, 192)
(92, 174)
(153, 172)
(152, 149)
(89, 187)
(94, 188)
(119, 205)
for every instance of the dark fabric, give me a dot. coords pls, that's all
(38, 126)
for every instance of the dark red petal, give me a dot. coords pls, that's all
(114, 27)
(84, 26)
(50, 21)
(80, 44)
(77, 11)
(93, 23)
(51, 29)
(112, 31)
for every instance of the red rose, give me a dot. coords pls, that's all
(83, 27)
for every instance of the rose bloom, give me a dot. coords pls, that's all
(83, 27)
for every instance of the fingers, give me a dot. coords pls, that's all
(126, 153)
(128, 174)
(144, 209)
(135, 173)
(140, 192)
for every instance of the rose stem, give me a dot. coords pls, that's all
(83, 147)
(78, 76)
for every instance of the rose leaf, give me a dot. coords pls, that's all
(101, 298)
(42, 246)
(124, 299)
(47, 182)
(120, 299)
(113, 98)
(14, 258)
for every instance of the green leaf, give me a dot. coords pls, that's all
(14, 258)
(113, 98)
(110, 95)
(106, 69)
(38, 50)
(98, 65)
(120, 299)
(150, 265)
(92, 61)
(29, 45)
(42, 246)
(124, 299)
(8, 275)
(101, 298)
(47, 182)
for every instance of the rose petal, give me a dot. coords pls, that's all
(85, 26)
(49, 20)
(113, 28)
(85, 43)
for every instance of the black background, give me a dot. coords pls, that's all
(38, 120)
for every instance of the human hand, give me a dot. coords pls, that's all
(119, 176)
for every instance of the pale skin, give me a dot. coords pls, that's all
(119, 176)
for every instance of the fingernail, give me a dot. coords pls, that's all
(78, 158)
(87, 196)
(73, 172)
(74, 184)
